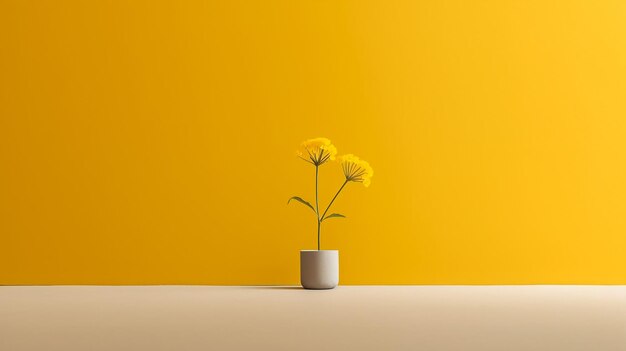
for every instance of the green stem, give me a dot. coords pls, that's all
(319, 224)
(333, 200)
(317, 209)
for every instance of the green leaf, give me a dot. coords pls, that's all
(300, 200)
(339, 215)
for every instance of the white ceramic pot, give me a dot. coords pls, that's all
(319, 269)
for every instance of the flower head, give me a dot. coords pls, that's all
(356, 170)
(317, 151)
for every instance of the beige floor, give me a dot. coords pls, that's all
(506, 318)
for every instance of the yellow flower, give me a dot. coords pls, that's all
(317, 151)
(356, 170)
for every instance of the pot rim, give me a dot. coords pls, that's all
(318, 250)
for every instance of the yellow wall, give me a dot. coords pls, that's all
(154, 143)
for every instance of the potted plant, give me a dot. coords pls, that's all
(319, 269)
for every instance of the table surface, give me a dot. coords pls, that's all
(289, 318)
